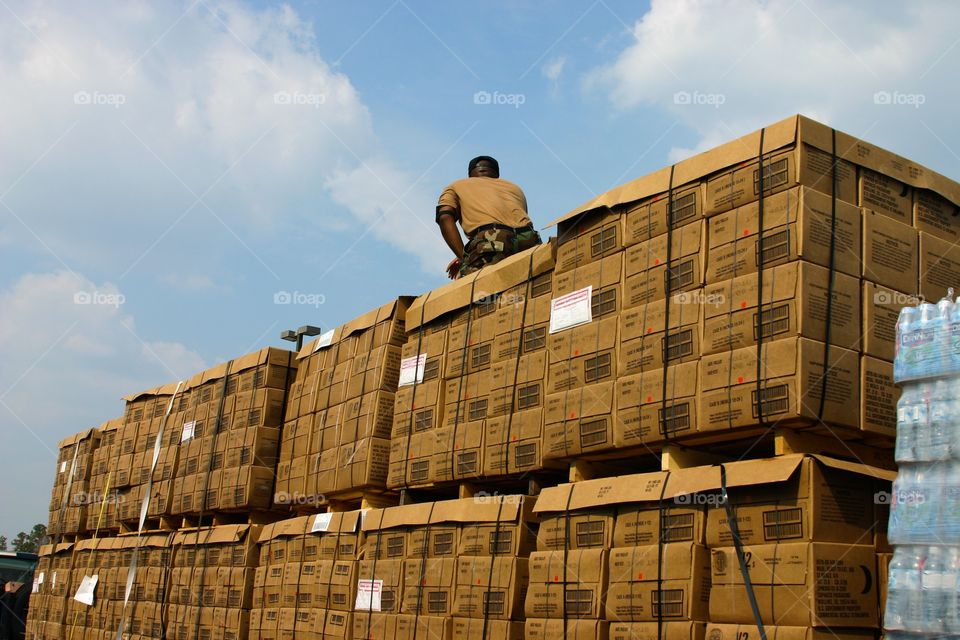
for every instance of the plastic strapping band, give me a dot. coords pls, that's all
(283, 419)
(566, 555)
(493, 561)
(738, 547)
(203, 500)
(758, 323)
(132, 570)
(668, 287)
(413, 393)
(516, 372)
(832, 273)
(66, 494)
(461, 383)
(660, 544)
(376, 556)
(423, 570)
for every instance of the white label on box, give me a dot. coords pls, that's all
(571, 310)
(411, 369)
(321, 522)
(53, 580)
(40, 578)
(368, 595)
(363, 517)
(36, 587)
(188, 429)
(325, 340)
(63, 466)
(85, 590)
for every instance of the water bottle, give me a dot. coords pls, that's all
(906, 427)
(899, 508)
(904, 364)
(944, 338)
(954, 333)
(921, 421)
(926, 490)
(950, 507)
(941, 412)
(951, 580)
(929, 363)
(903, 590)
(933, 597)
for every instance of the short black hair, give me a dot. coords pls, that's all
(493, 162)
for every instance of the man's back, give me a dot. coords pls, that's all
(483, 201)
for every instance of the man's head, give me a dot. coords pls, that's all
(483, 167)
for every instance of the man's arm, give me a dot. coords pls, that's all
(446, 218)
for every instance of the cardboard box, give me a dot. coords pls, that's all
(522, 326)
(885, 195)
(518, 384)
(440, 540)
(588, 238)
(430, 344)
(467, 398)
(646, 414)
(579, 421)
(411, 459)
(797, 498)
(550, 629)
(717, 631)
(458, 452)
(794, 301)
(936, 215)
(375, 626)
(514, 443)
(890, 252)
(567, 584)
(418, 407)
(646, 265)
(587, 529)
(796, 226)
(583, 355)
(790, 386)
(939, 266)
(606, 276)
(367, 416)
(672, 520)
(361, 464)
(645, 343)
(471, 628)
(429, 586)
(800, 584)
(666, 630)
(491, 587)
(651, 583)
(494, 525)
(470, 345)
(878, 397)
(411, 627)
(377, 369)
(881, 308)
(883, 578)
(647, 218)
(385, 576)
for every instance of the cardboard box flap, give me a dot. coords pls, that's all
(75, 438)
(313, 347)
(641, 487)
(491, 280)
(433, 304)
(90, 543)
(857, 467)
(692, 480)
(112, 425)
(764, 471)
(401, 516)
(161, 540)
(256, 358)
(45, 550)
(222, 534)
(384, 312)
(777, 135)
(64, 546)
(285, 528)
(478, 509)
(163, 390)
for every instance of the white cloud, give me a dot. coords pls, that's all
(723, 69)
(122, 105)
(552, 69)
(70, 351)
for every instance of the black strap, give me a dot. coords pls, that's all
(566, 556)
(832, 272)
(493, 560)
(413, 392)
(738, 547)
(423, 570)
(461, 382)
(668, 288)
(660, 543)
(761, 259)
(373, 573)
(516, 371)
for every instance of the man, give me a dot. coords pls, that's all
(493, 214)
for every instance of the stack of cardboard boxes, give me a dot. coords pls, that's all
(619, 556)
(104, 505)
(305, 585)
(472, 384)
(48, 599)
(449, 569)
(337, 427)
(71, 483)
(211, 582)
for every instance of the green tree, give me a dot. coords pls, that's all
(30, 542)
(3, 543)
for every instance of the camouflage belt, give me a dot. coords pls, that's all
(490, 246)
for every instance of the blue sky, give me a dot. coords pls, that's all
(182, 163)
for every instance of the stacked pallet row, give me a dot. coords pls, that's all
(473, 375)
(52, 579)
(627, 556)
(337, 428)
(305, 585)
(70, 497)
(448, 569)
(103, 505)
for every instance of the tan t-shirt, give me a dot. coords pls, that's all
(480, 201)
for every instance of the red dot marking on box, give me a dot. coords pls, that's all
(649, 398)
(743, 304)
(573, 414)
(576, 352)
(656, 261)
(746, 232)
(514, 438)
(739, 379)
(556, 578)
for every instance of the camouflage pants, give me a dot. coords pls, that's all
(492, 246)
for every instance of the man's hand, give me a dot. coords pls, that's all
(453, 269)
